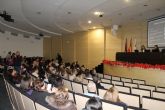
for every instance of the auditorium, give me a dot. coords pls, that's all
(82, 54)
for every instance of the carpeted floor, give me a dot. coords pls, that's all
(4, 100)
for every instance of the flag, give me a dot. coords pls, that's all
(130, 46)
(126, 45)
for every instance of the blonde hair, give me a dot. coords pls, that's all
(112, 94)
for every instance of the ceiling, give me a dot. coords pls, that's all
(59, 17)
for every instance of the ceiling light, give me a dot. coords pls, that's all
(127, 0)
(98, 13)
(94, 27)
(89, 22)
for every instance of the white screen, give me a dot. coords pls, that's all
(156, 32)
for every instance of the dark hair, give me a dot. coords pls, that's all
(55, 80)
(93, 103)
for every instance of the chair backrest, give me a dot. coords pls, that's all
(85, 81)
(161, 89)
(116, 78)
(40, 107)
(77, 87)
(19, 100)
(117, 82)
(15, 104)
(130, 99)
(100, 75)
(126, 79)
(101, 92)
(138, 81)
(148, 87)
(141, 92)
(160, 95)
(80, 101)
(130, 84)
(134, 108)
(106, 85)
(67, 83)
(106, 80)
(28, 103)
(71, 96)
(123, 88)
(111, 106)
(107, 76)
(153, 103)
(85, 88)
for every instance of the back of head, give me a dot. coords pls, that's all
(112, 94)
(91, 87)
(93, 104)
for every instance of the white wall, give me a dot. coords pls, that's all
(27, 46)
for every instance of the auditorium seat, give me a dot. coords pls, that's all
(77, 87)
(126, 79)
(67, 83)
(117, 78)
(130, 84)
(105, 80)
(115, 82)
(80, 100)
(161, 89)
(138, 81)
(153, 103)
(28, 103)
(160, 95)
(111, 106)
(141, 92)
(148, 87)
(123, 88)
(106, 85)
(40, 107)
(107, 76)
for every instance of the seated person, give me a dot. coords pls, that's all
(91, 90)
(93, 104)
(143, 48)
(97, 81)
(156, 49)
(26, 83)
(112, 95)
(60, 100)
(13, 76)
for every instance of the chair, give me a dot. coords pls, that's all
(85, 81)
(80, 100)
(130, 99)
(19, 100)
(28, 103)
(153, 103)
(116, 78)
(71, 96)
(117, 82)
(141, 92)
(160, 95)
(130, 84)
(107, 76)
(126, 79)
(161, 89)
(106, 80)
(101, 92)
(77, 87)
(106, 85)
(123, 89)
(40, 107)
(100, 75)
(85, 88)
(111, 106)
(138, 81)
(67, 83)
(148, 87)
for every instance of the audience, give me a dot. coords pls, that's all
(156, 49)
(93, 104)
(60, 100)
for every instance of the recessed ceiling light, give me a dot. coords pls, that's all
(89, 22)
(94, 27)
(98, 13)
(127, 0)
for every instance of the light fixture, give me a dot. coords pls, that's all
(127, 0)
(89, 22)
(94, 27)
(98, 13)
